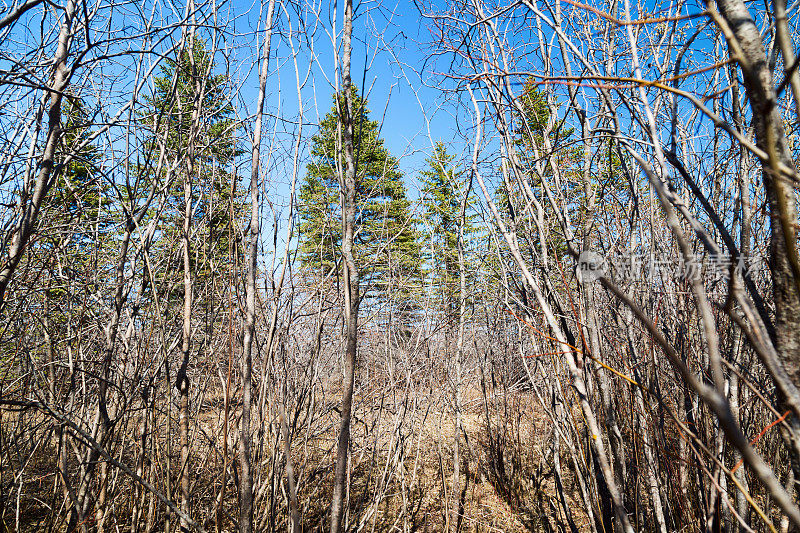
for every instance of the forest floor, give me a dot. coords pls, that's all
(401, 470)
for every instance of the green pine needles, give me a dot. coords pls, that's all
(444, 186)
(386, 243)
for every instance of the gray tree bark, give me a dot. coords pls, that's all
(254, 231)
(347, 184)
(32, 196)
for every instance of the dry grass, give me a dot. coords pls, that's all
(401, 470)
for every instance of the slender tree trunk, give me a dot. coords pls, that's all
(347, 184)
(246, 482)
(33, 194)
(747, 47)
(294, 511)
(182, 378)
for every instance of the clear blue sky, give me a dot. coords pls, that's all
(390, 48)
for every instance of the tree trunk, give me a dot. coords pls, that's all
(246, 483)
(747, 47)
(182, 379)
(351, 289)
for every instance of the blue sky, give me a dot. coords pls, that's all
(389, 51)
(388, 58)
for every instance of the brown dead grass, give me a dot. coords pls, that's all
(414, 498)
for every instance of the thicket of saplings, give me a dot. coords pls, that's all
(225, 304)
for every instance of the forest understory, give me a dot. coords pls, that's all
(399, 475)
(411, 265)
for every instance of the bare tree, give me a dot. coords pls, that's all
(352, 297)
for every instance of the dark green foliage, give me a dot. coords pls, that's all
(63, 266)
(535, 114)
(386, 241)
(444, 186)
(185, 86)
(540, 231)
(78, 194)
(74, 218)
(531, 127)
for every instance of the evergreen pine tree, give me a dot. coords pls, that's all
(386, 242)
(532, 126)
(568, 157)
(442, 193)
(74, 217)
(79, 193)
(186, 84)
(60, 269)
